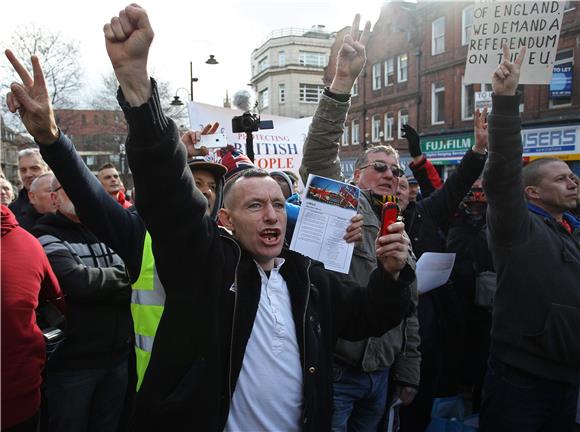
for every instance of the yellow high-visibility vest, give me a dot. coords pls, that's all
(147, 302)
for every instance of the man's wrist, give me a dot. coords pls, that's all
(136, 86)
(341, 87)
(50, 137)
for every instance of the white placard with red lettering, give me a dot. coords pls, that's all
(516, 23)
(275, 149)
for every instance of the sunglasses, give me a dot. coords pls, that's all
(382, 167)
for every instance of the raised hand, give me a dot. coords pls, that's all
(413, 138)
(393, 249)
(128, 38)
(191, 138)
(480, 127)
(507, 75)
(351, 57)
(32, 102)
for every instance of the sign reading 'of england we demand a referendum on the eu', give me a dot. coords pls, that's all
(535, 25)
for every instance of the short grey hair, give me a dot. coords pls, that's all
(364, 158)
(35, 153)
(37, 180)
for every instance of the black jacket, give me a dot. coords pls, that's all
(120, 229)
(536, 313)
(213, 289)
(25, 213)
(97, 291)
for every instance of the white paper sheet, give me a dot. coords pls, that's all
(433, 270)
(327, 208)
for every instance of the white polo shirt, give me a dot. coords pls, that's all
(268, 394)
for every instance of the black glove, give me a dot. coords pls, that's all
(413, 138)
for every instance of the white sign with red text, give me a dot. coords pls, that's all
(275, 149)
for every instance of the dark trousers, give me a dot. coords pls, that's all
(29, 425)
(90, 400)
(516, 401)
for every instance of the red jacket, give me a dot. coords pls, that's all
(26, 275)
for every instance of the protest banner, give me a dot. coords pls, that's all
(535, 25)
(482, 101)
(275, 149)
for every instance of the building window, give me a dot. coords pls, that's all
(281, 93)
(345, 136)
(117, 118)
(307, 58)
(402, 68)
(376, 76)
(467, 100)
(376, 129)
(389, 72)
(96, 119)
(310, 93)
(263, 64)
(83, 119)
(564, 60)
(403, 120)
(281, 58)
(389, 120)
(569, 5)
(438, 103)
(263, 99)
(355, 132)
(355, 88)
(466, 24)
(438, 36)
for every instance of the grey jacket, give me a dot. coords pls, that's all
(398, 348)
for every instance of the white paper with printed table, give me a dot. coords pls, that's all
(433, 270)
(327, 209)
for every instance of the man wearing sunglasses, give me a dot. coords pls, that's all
(362, 368)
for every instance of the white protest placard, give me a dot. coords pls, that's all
(327, 208)
(275, 149)
(482, 101)
(535, 25)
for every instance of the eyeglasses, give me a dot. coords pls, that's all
(57, 189)
(382, 167)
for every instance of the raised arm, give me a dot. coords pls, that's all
(122, 230)
(423, 169)
(320, 152)
(507, 212)
(167, 199)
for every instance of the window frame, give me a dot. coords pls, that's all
(400, 121)
(376, 76)
(464, 27)
(434, 105)
(435, 37)
(390, 69)
(389, 126)
(400, 79)
(303, 92)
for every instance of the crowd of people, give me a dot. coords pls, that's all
(188, 311)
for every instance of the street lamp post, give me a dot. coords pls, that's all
(176, 101)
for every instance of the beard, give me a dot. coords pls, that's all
(68, 208)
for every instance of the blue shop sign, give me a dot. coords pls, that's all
(561, 85)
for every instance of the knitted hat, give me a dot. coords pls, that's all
(235, 161)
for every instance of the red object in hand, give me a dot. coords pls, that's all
(389, 216)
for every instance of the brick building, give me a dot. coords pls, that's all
(11, 142)
(414, 73)
(99, 137)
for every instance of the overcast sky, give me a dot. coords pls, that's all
(185, 31)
